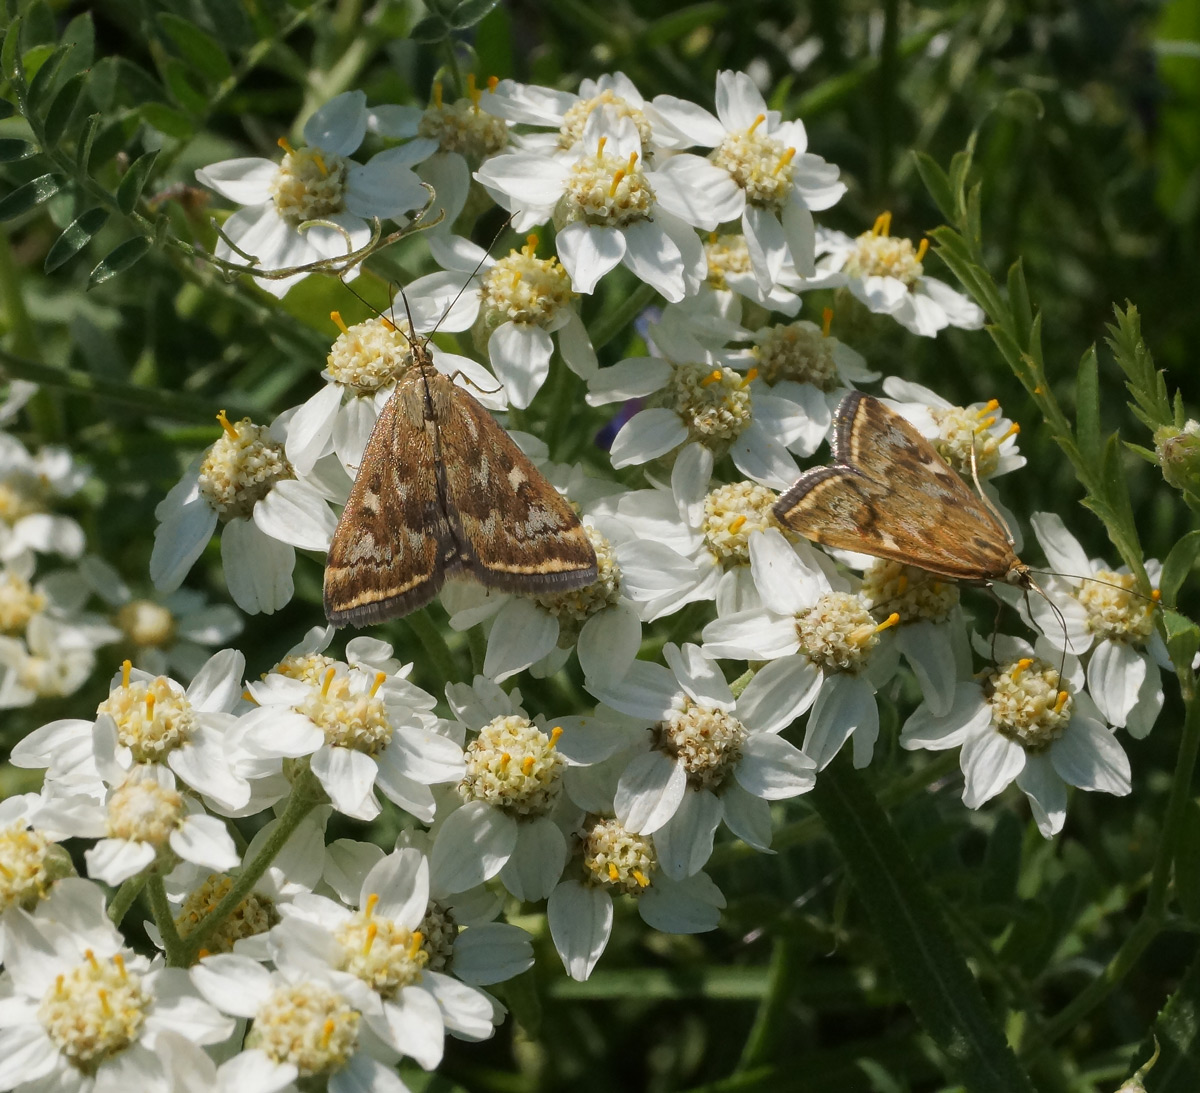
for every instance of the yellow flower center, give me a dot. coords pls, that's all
(1027, 705)
(308, 1025)
(616, 858)
(241, 467)
(759, 164)
(309, 185)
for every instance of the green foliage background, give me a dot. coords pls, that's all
(1087, 123)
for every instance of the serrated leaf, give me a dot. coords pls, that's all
(29, 196)
(10, 52)
(1183, 636)
(12, 150)
(1087, 410)
(75, 237)
(134, 182)
(199, 49)
(1177, 566)
(64, 102)
(469, 12)
(118, 260)
(432, 28)
(1187, 862)
(937, 183)
(1177, 1034)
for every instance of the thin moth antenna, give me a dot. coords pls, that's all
(988, 503)
(1062, 619)
(478, 266)
(1152, 598)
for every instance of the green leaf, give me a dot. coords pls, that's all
(431, 29)
(87, 135)
(1087, 410)
(937, 183)
(12, 149)
(134, 182)
(1020, 102)
(1187, 863)
(60, 110)
(469, 12)
(679, 24)
(199, 49)
(1178, 566)
(1018, 302)
(75, 237)
(909, 924)
(29, 196)
(181, 83)
(168, 120)
(46, 78)
(7, 109)
(10, 52)
(82, 35)
(1183, 636)
(1177, 1034)
(118, 260)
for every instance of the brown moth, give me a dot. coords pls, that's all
(889, 494)
(443, 489)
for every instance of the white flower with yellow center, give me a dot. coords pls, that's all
(31, 861)
(30, 487)
(512, 305)
(803, 354)
(731, 276)
(1025, 722)
(834, 653)
(306, 1024)
(364, 365)
(1101, 615)
(693, 393)
(360, 731)
(610, 208)
(710, 757)
(888, 275)
(514, 793)
(83, 1012)
(53, 661)
(316, 182)
(381, 939)
(778, 185)
(245, 482)
(610, 860)
(456, 137)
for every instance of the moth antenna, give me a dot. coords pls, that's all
(393, 287)
(1107, 584)
(478, 266)
(988, 503)
(412, 326)
(1062, 619)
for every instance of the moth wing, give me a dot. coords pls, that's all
(389, 549)
(516, 531)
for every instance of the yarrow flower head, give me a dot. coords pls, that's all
(30, 487)
(315, 205)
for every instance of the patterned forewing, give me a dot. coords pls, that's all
(518, 532)
(386, 556)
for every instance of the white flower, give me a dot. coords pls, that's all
(731, 275)
(710, 757)
(31, 861)
(382, 940)
(612, 860)
(777, 184)
(53, 661)
(514, 304)
(694, 394)
(515, 794)
(83, 1012)
(150, 719)
(360, 730)
(888, 276)
(455, 139)
(803, 355)
(314, 183)
(1025, 722)
(610, 208)
(29, 486)
(60, 595)
(244, 481)
(835, 652)
(1092, 607)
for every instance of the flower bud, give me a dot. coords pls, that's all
(1178, 452)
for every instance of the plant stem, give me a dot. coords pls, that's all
(125, 898)
(610, 324)
(429, 639)
(164, 919)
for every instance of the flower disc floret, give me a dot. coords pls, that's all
(256, 914)
(732, 513)
(348, 716)
(463, 127)
(962, 431)
(579, 604)
(1027, 705)
(570, 132)
(94, 1011)
(152, 718)
(605, 191)
(838, 633)
(308, 667)
(759, 164)
(382, 953)
(714, 404)
(616, 858)
(910, 592)
(523, 288)
(796, 351)
(726, 255)
(707, 741)
(309, 185)
(1115, 611)
(513, 766)
(308, 1025)
(142, 811)
(877, 254)
(440, 930)
(29, 864)
(241, 467)
(147, 624)
(19, 602)
(369, 355)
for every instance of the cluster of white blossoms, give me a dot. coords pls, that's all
(291, 962)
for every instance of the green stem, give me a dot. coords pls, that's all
(429, 638)
(306, 795)
(164, 919)
(610, 324)
(125, 898)
(20, 325)
(773, 1009)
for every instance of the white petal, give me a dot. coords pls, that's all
(587, 253)
(1115, 675)
(116, 860)
(528, 179)
(608, 643)
(218, 685)
(523, 633)
(311, 428)
(295, 513)
(845, 704)
(767, 244)
(472, 846)
(384, 186)
(758, 455)
(1046, 792)
(206, 841)
(774, 769)
(580, 920)
(698, 676)
(1088, 755)
(415, 1026)
(649, 691)
(990, 762)
(690, 906)
(649, 791)
(747, 816)
(647, 435)
(246, 181)
(258, 568)
(520, 356)
(348, 776)
(684, 844)
(698, 192)
(339, 126)
(968, 714)
(537, 863)
(633, 377)
(929, 649)
(667, 254)
(779, 693)
(179, 540)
